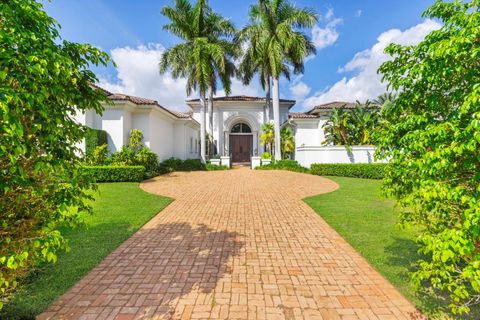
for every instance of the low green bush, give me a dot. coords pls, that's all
(354, 170)
(290, 165)
(115, 173)
(94, 138)
(211, 167)
(173, 164)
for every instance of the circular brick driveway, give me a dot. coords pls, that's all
(236, 244)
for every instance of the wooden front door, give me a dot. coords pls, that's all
(241, 147)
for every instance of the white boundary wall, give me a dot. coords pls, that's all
(308, 155)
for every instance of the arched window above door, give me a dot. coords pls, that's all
(241, 128)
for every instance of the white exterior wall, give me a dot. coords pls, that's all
(308, 155)
(112, 122)
(160, 135)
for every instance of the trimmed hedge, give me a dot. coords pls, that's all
(94, 138)
(354, 170)
(211, 167)
(290, 165)
(174, 164)
(115, 174)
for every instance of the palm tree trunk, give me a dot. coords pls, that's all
(268, 99)
(210, 120)
(202, 127)
(276, 118)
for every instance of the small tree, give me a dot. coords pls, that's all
(433, 140)
(288, 142)
(43, 82)
(267, 137)
(135, 141)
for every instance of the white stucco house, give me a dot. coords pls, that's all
(166, 132)
(237, 123)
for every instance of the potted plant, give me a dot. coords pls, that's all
(215, 161)
(266, 158)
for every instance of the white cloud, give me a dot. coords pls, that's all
(328, 35)
(138, 74)
(358, 13)
(299, 89)
(366, 83)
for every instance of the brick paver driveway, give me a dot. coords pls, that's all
(239, 244)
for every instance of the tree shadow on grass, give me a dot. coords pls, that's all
(404, 253)
(149, 273)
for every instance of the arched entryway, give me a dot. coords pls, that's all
(241, 142)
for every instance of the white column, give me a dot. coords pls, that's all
(276, 117)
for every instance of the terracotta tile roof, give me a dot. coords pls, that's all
(241, 98)
(301, 115)
(334, 105)
(142, 101)
(133, 99)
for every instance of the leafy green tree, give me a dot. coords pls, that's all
(277, 42)
(267, 136)
(44, 81)
(433, 142)
(288, 142)
(204, 55)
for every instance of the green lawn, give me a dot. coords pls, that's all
(364, 218)
(120, 209)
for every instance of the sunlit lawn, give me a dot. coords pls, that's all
(364, 218)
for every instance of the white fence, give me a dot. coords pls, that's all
(307, 155)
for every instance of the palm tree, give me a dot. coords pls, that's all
(338, 128)
(255, 61)
(364, 119)
(384, 98)
(275, 38)
(287, 141)
(267, 136)
(204, 54)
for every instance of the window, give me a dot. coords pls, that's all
(191, 145)
(196, 146)
(241, 128)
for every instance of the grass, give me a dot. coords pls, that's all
(364, 218)
(120, 209)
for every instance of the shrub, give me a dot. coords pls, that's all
(354, 170)
(94, 138)
(126, 156)
(266, 155)
(173, 164)
(135, 141)
(148, 159)
(114, 173)
(99, 156)
(211, 167)
(290, 165)
(44, 80)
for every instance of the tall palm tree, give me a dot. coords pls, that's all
(255, 61)
(204, 54)
(274, 32)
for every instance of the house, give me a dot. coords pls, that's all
(237, 124)
(166, 132)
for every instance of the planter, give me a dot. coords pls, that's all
(215, 162)
(256, 162)
(266, 162)
(225, 161)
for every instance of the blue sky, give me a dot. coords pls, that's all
(350, 38)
